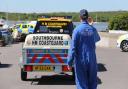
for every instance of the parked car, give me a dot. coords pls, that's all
(1, 39)
(2, 22)
(20, 31)
(122, 42)
(6, 36)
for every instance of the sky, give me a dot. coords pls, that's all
(45, 6)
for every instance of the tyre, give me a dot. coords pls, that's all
(73, 74)
(23, 75)
(124, 46)
(2, 43)
(23, 36)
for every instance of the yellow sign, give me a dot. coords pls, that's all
(42, 68)
(54, 26)
(54, 23)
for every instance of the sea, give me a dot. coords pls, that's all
(100, 26)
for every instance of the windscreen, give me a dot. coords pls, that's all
(24, 26)
(54, 27)
(17, 26)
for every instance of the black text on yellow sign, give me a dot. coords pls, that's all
(42, 68)
(48, 40)
(53, 24)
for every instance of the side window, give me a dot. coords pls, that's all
(24, 26)
(31, 26)
(17, 26)
(43, 29)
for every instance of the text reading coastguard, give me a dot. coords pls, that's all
(48, 40)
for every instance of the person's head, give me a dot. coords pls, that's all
(83, 14)
(90, 20)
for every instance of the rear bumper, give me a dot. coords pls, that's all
(45, 68)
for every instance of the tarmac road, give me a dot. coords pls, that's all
(112, 71)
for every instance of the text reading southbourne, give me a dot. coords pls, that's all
(48, 40)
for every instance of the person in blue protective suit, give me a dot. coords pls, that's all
(82, 53)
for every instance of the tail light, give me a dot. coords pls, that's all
(28, 68)
(65, 68)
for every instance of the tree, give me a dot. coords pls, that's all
(119, 22)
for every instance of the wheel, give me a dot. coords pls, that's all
(73, 74)
(23, 75)
(23, 36)
(2, 43)
(124, 46)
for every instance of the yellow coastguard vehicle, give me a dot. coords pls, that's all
(21, 30)
(47, 48)
(122, 42)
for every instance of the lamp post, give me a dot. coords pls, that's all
(6, 10)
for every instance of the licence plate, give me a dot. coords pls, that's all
(42, 68)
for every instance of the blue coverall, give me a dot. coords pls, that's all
(82, 54)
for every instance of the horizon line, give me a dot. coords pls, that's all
(64, 11)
